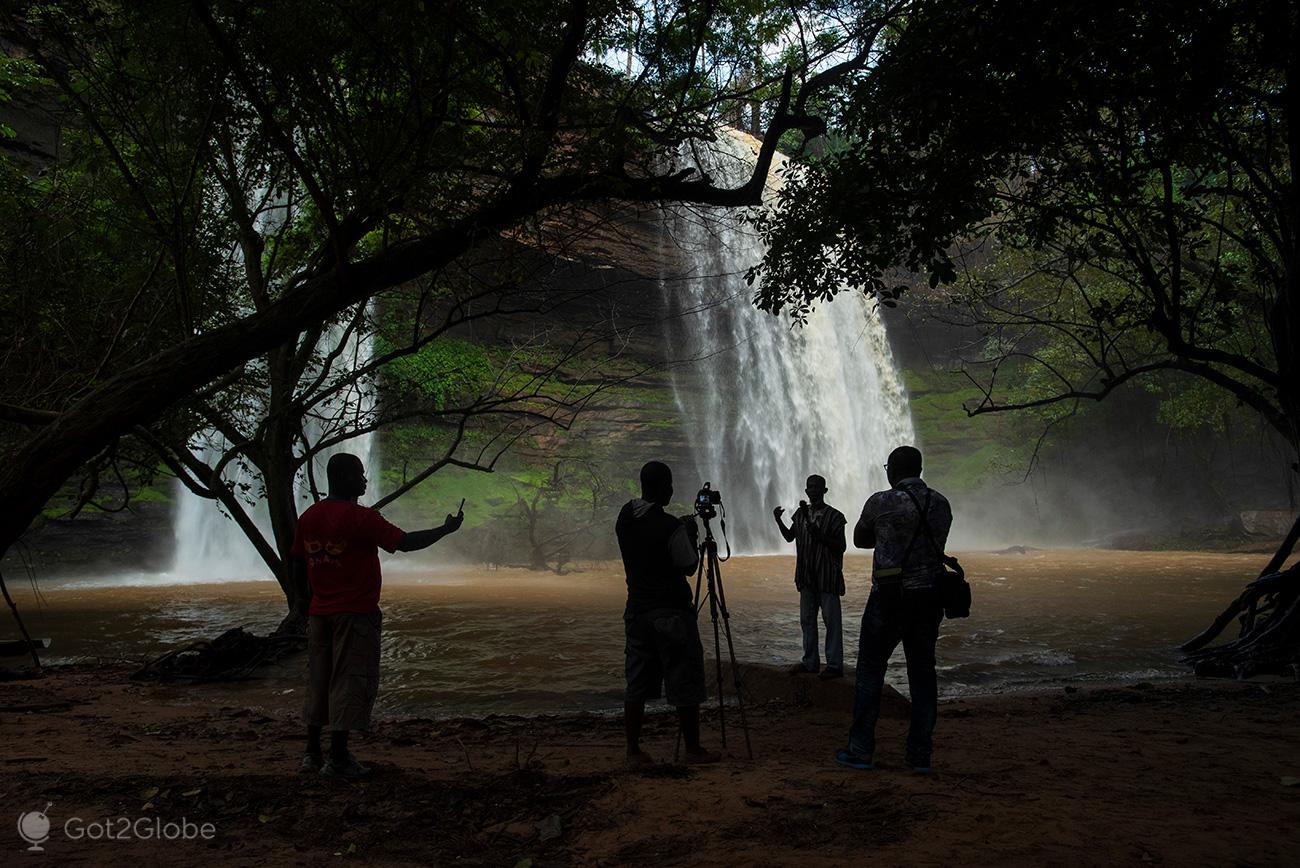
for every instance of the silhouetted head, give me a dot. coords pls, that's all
(816, 489)
(347, 476)
(656, 483)
(904, 463)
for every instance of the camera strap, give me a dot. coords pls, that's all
(722, 525)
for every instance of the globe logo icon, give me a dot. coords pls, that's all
(34, 828)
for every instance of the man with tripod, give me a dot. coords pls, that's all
(817, 531)
(663, 648)
(907, 526)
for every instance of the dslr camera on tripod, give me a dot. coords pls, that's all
(706, 501)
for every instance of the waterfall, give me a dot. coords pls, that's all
(763, 404)
(209, 546)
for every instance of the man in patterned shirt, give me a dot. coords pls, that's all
(817, 531)
(904, 605)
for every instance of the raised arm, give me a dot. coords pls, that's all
(787, 532)
(422, 539)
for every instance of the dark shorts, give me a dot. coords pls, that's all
(664, 650)
(343, 654)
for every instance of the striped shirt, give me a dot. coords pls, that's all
(819, 564)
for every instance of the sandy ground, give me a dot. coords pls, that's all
(1176, 773)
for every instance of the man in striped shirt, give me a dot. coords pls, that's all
(817, 531)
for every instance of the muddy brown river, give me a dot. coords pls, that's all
(465, 639)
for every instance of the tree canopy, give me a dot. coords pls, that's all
(1105, 188)
(164, 143)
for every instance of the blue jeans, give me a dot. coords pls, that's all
(895, 614)
(810, 602)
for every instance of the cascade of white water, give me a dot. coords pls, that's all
(765, 405)
(209, 546)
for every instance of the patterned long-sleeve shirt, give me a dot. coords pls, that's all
(819, 563)
(889, 524)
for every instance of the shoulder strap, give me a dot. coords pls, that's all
(951, 562)
(923, 522)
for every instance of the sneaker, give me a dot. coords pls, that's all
(830, 672)
(311, 763)
(348, 768)
(800, 669)
(918, 768)
(853, 761)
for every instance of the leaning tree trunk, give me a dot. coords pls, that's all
(1269, 612)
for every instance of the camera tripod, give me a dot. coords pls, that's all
(717, 599)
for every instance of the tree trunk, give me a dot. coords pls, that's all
(278, 476)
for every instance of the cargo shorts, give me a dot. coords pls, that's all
(343, 663)
(663, 651)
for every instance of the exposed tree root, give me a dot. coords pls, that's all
(1269, 612)
(231, 656)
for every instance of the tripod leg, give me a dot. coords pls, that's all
(735, 669)
(717, 640)
(699, 574)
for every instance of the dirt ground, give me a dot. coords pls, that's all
(1176, 773)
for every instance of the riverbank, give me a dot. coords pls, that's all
(1178, 773)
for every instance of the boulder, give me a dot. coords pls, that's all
(1272, 523)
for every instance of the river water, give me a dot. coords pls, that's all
(469, 640)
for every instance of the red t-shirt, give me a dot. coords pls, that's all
(340, 541)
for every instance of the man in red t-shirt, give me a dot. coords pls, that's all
(337, 543)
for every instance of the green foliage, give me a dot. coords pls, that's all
(439, 372)
(962, 454)
(16, 75)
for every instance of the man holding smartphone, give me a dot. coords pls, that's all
(337, 545)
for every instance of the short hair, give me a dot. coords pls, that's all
(342, 467)
(815, 481)
(655, 478)
(905, 461)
